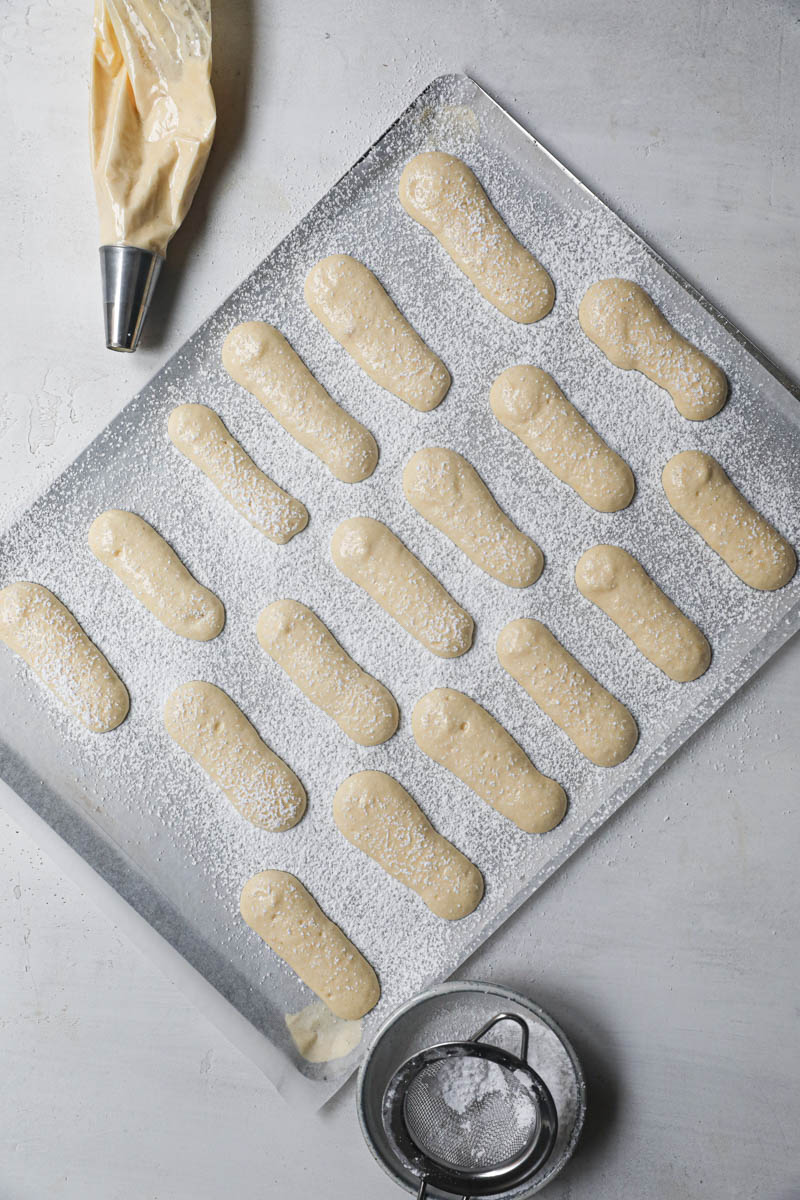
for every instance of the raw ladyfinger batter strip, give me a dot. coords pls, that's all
(599, 725)
(442, 194)
(310, 655)
(457, 733)
(43, 632)
(446, 490)
(206, 723)
(619, 585)
(352, 305)
(700, 491)
(152, 571)
(199, 433)
(261, 360)
(378, 816)
(287, 917)
(622, 319)
(367, 552)
(531, 405)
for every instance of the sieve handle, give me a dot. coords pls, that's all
(523, 1025)
(423, 1189)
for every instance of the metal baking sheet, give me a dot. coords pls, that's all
(147, 818)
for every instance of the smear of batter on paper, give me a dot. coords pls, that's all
(320, 1036)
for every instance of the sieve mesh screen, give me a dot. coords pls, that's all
(470, 1114)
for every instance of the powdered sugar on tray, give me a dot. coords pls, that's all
(181, 852)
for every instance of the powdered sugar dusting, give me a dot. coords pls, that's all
(470, 1112)
(177, 830)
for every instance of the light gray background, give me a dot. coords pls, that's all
(669, 947)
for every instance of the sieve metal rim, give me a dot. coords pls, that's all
(472, 1182)
(458, 991)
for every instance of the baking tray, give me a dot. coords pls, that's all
(147, 818)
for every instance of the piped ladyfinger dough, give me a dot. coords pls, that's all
(619, 585)
(42, 631)
(700, 491)
(206, 723)
(447, 491)
(621, 318)
(287, 917)
(529, 403)
(259, 358)
(313, 659)
(458, 734)
(350, 302)
(199, 433)
(378, 816)
(367, 552)
(599, 725)
(150, 568)
(442, 193)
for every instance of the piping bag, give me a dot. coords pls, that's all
(152, 118)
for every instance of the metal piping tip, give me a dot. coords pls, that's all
(129, 277)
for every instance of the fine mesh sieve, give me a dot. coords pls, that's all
(469, 1117)
(493, 1126)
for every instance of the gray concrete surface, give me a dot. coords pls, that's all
(669, 947)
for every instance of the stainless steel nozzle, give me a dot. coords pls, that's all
(129, 277)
